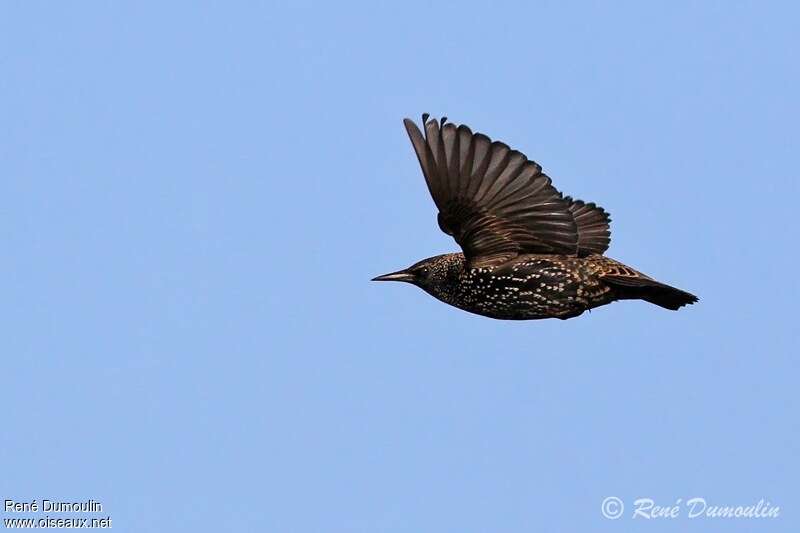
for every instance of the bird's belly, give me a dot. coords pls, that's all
(532, 290)
(526, 310)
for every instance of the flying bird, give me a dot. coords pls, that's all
(528, 252)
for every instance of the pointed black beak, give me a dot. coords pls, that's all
(401, 275)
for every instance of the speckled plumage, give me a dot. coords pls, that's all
(529, 252)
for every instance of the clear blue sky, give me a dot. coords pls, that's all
(195, 195)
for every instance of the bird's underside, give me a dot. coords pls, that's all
(528, 251)
(535, 286)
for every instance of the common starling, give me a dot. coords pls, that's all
(528, 251)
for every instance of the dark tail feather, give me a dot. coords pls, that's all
(634, 288)
(668, 297)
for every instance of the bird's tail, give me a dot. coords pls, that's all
(661, 294)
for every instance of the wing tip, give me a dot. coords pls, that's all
(407, 122)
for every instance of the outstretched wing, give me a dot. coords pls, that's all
(594, 233)
(494, 201)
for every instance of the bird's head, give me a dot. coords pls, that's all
(432, 275)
